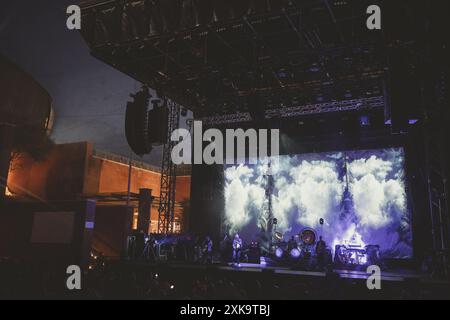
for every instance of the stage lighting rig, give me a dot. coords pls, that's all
(198, 53)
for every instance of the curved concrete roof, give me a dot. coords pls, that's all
(23, 101)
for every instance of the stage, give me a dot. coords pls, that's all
(392, 275)
(397, 275)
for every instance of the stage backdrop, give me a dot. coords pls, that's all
(360, 195)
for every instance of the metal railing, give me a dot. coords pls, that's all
(183, 170)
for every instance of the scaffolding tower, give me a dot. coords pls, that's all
(437, 182)
(166, 210)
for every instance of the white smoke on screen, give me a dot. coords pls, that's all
(309, 190)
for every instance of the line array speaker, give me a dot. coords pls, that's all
(136, 123)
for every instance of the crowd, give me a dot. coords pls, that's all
(128, 281)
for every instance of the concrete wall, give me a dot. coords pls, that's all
(23, 101)
(71, 170)
(114, 178)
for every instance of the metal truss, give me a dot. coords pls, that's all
(310, 109)
(182, 48)
(166, 210)
(335, 106)
(227, 118)
(436, 173)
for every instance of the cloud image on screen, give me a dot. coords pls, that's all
(360, 195)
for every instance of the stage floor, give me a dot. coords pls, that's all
(397, 275)
(391, 275)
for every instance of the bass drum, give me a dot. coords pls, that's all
(295, 253)
(308, 237)
(280, 249)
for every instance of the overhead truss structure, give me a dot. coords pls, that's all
(228, 57)
(372, 103)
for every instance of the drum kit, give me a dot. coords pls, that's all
(302, 245)
(302, 249)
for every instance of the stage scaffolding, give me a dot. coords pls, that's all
(437, 179)
(166, 210)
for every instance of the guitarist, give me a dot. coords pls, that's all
(237, 248)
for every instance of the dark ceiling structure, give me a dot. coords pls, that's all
(233, 59)
(236, 60)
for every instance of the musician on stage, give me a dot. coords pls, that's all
(208, 250)
(149, 249)
(321, 248)
(237, 248)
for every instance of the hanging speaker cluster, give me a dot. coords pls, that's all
(136, 123)
(158, 119)
(145, 128)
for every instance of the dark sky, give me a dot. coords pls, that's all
(89, 97)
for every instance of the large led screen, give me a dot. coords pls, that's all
(359, 195)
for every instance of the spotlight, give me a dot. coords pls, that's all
(172, 287)
(364, 121)
(295, 253)
(279, 252)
